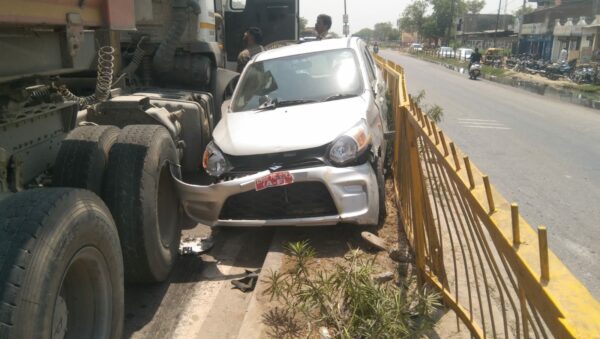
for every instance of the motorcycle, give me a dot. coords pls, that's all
(475, 71)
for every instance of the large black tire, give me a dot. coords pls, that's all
(61, 269)
(83, 156)
(141, 195)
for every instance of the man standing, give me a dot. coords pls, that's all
(322, 27)
(252, 39)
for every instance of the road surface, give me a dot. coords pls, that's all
(541, 153)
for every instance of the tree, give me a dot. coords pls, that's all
(474, 6)
(382, 31)
(302, 24)
(413, 17)
(365, 34)
(444, 13)
(522, 11)
(394, 35)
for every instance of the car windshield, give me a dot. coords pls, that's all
(298, 79)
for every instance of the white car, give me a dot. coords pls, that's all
(464, 53)
(416, 47)
(446, 52)
(301, 142)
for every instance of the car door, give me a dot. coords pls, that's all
(278, 20)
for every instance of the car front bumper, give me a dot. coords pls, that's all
(353, 190)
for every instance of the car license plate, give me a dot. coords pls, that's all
(273, 180)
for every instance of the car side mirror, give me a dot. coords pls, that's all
(225, 106)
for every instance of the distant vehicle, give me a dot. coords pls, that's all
(301, 142)
(475, 71)
(493, 57)
(416, 47)
(464, 53)
(445, 52)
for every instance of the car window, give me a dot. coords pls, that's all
(313, 76)
(370, 65)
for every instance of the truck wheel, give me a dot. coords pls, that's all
(61, 269)
(141, 195)
(83, 156)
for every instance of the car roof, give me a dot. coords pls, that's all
(309, 47)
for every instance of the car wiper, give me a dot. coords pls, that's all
(275, 103)
(339, 96)
(294, 102)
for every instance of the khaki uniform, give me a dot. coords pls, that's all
(246, 55)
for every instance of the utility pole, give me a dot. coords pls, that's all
(497, 21)
(346, 27)
(451, 23)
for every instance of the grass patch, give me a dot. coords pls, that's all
(346, 300)
(489, 70)
(587, 88)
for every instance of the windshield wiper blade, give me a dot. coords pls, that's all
(340, 96)
(294, 102)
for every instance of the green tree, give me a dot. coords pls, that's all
(382, 31)
(302, 24)
(365, 34)
(444, 14)
(523, 11)
(474, 6)
(394, 35)
(413, 17)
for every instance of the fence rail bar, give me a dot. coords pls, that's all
(471, 244)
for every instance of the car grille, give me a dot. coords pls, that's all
(298, 200)
(287, 160)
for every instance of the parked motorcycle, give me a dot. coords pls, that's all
(475, 71)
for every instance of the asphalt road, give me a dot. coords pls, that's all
(541, 153)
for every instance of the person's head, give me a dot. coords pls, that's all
(476, 50)
(253, 36)
(323, 23)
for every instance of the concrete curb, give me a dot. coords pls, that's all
(252, 326)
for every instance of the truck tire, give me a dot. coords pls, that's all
(61, 269)
(82, 158)
(141, 195)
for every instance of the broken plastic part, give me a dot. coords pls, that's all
(195, 246)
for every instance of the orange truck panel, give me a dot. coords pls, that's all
(112, 14)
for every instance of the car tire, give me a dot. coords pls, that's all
(61, 269)
(141, 195)
(82, 158)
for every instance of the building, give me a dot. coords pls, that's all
(487, 30)
(548, 29)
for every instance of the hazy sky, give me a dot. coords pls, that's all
(366, 13)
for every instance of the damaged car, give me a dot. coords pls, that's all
(301, 142)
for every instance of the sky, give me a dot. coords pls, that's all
(366, 13)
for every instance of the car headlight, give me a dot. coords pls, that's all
(214, 161)
(349, 146)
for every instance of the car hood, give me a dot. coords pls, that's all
(287, 128)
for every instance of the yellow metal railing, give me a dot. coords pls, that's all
(490, 266)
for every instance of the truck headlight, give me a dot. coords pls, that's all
(214, 161)
(349, 146)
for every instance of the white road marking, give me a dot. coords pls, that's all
(482, 123)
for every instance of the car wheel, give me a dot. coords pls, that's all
(61, 269)
(141, 194)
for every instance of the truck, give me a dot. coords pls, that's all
(102, 104)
